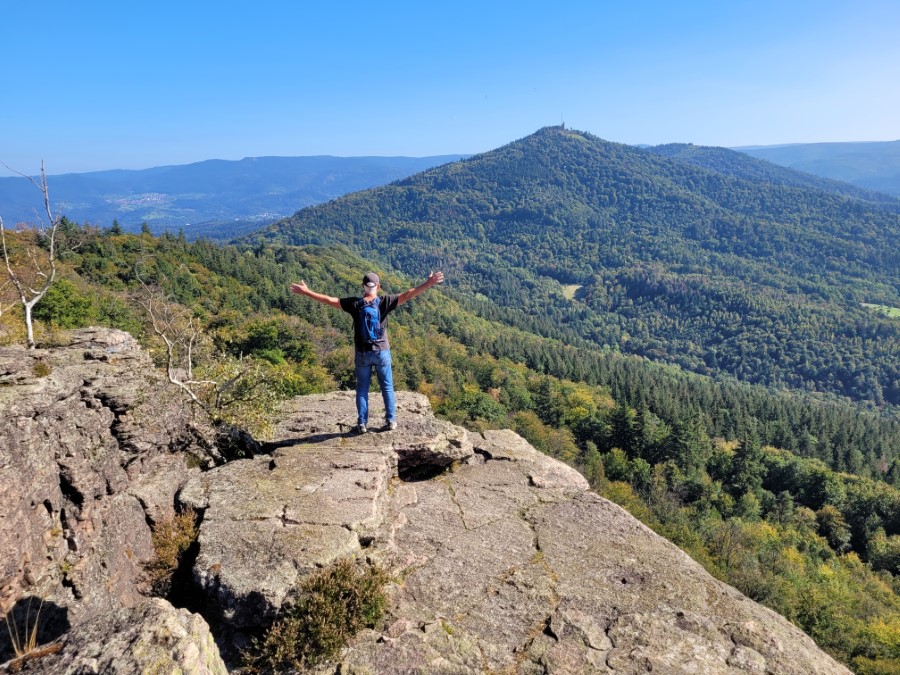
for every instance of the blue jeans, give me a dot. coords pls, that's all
(381, 362)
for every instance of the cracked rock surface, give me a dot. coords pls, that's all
(503, 560)
(270, 520)
(510, 564)
(504, 563)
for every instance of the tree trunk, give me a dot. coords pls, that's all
(29, 324)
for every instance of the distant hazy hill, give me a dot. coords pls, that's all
(874, 166)
(212, 198)
(746, 166)
(715, 269)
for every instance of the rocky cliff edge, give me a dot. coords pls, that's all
(503, 560)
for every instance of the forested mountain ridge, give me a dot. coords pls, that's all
(748, 166)
(718, 273)
(215, 198)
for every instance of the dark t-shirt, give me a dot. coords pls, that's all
(386, 305)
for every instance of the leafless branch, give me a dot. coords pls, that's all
(180, 333)
(45, 191)
(12, 276)
(162, 320)
(19, 173)
(228, 385)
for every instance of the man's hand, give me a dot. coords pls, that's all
(299, 289)
(435, 278)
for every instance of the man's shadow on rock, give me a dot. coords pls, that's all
(50, 620)
(312, 439)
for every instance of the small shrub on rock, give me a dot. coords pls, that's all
(24, 628)
(331, 607)
(171, 538)
(42, 368)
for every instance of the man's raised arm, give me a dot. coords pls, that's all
(302, 289)
(434, 279)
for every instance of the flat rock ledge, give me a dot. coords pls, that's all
(319, 496)
(503, 559)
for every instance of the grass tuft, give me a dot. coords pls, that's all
(41, 368)
(25, 645)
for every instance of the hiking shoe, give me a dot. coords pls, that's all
(392, 426)
(361, 429)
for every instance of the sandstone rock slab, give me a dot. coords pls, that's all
(268, 521)
(509, 564)
(421, 439)
(320, 495)
(153, 637)
(86, 425)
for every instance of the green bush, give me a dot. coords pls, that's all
(41, 368)
(274, 340)
(331, 607)
(616, 465)
(65, 306)
(114, 312)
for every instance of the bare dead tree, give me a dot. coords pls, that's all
(180, 332)
(33, 277)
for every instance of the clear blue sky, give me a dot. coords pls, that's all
(97, 85)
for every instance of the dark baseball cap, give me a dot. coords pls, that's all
(371, 280)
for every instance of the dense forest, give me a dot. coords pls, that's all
(701, 461)
(714, 261)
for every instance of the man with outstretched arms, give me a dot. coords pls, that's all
(373, 351)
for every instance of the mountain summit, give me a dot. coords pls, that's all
(710, 265)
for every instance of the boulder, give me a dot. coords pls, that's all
(152, 637)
